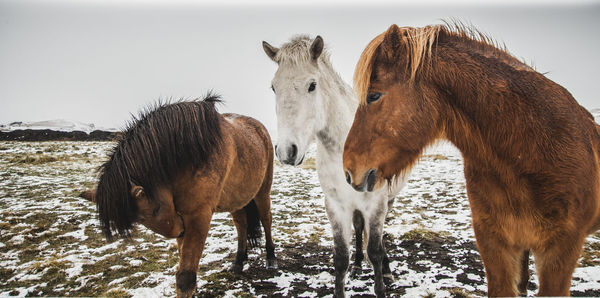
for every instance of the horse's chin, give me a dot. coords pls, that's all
(301, 160)
(170, 230)
(379, 184)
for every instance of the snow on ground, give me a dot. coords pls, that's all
(596, 113)
(56, 124)
(50, 243)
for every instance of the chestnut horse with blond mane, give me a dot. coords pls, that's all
(175, 166)
(531, 152)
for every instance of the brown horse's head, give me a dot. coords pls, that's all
(163, 143)
(397, 117)
(158, 214)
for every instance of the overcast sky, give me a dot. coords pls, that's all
(98, 61)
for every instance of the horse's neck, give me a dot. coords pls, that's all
(502, 115)
(340, 106)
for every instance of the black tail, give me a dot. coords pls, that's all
(253, 224)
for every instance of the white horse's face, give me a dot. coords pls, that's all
(299, 106)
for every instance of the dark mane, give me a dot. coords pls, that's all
(162, 141)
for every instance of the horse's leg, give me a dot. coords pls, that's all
(522, 287)
(555, 265)
(501, 261)
(375, 249)
(359, 226)
(190, 250)
(239, 219)
(263, 203)
(388, 278)
(339, 218)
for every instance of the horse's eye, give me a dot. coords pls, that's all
(373, 97)
(312, 86)
(272, 88)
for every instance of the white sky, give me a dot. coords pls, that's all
(98, 61)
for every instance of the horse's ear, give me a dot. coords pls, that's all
(391, 41)
(137, 191)
(89, 195)
(270, 50)
(316, 48)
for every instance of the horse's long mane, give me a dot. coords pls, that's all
(420, 41)
(162, 141)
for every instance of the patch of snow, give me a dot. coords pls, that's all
(596, 113)
(585, 278)
(322, 279)
(56, 124)
(285, 280)
(16, 240)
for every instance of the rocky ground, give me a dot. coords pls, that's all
(50, 244)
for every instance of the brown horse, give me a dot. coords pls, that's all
(179, 163)
(531, 153)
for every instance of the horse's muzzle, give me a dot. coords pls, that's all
(288, 155)
(368, 182)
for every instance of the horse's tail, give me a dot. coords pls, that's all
(253, 224)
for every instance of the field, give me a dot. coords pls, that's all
(50, 244)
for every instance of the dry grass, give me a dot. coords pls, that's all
(436, 156)
(309, 164)
(590, 255)
(423, 234)
(36, 159)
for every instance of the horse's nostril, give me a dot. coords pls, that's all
(292, 153)
(370, 179)
(348, 177)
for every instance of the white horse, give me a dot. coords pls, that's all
(313, 102)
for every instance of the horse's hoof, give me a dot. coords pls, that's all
(388, 279)
(236, 268)
(272, 264)
(355, 272)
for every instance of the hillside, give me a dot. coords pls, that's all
(55, 130)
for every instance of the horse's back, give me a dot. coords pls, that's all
(255, 129)
(251, 161)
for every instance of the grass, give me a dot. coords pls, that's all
(590, 255)
(436, 157)
(458, 293)
(218, 283)
(36, 159)
(309, 164)
(422, 234)
(53, 148)
(117, 293)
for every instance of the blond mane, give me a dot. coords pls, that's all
(419, 42)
